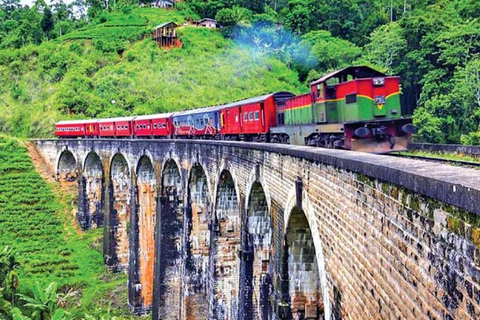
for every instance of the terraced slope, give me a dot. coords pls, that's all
(37, 222)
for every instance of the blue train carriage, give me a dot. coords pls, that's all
(201, 123)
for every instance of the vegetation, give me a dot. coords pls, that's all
(47, 267)
(443, 155)
(95, 58)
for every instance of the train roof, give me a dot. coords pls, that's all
(357, 72)
(76, 121)
(280, 94)
(155, 116)
(116, 119)
(200, 110)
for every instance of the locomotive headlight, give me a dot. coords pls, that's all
(378, 81)
(361, 132)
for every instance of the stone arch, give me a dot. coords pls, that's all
(144, 154)
(119, 215)
(146, 217)
(258, 271)
(67, 166)
(171, 251)
(225, 247)
(197, 244)
(93, 185)
(304, 261)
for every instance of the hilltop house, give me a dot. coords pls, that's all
(165, 4)
(166, 35)
(207, 23)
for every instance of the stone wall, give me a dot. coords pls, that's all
(286, 232)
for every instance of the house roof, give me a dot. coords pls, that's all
(355, 71)
(207, 19)
(166, 24)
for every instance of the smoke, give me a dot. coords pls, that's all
(272, 39)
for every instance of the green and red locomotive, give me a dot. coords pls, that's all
(355, 108)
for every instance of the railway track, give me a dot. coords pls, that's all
(461, 163)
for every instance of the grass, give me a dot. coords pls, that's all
(443, 155)
(133, 26)
(37, 222)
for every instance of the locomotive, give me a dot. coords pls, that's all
(355, 108)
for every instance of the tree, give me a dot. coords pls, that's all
(300, 17)
(47, 21)
(319, 50)
(387, 47)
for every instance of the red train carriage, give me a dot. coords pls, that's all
(77, 128)
(116, 127)
(156, 125)
(251, 119)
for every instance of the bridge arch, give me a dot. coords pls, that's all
(119, 215)
(198, 234)
(144, 154)
(145, 218)
(307, 287)
(258, 245)
(225, 247)
(171, 242)
(93, 184)
(66, 166)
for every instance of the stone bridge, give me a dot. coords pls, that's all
(229, 230)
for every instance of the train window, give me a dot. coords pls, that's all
(257, 115)
(236, 118)
(320, 90)
(245, 116)
(251, 115)
(351, 98)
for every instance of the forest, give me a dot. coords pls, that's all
(95, 58)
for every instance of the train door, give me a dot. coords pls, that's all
(281, 112)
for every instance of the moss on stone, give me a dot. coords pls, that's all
(456, 225)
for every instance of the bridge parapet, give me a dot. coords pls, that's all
(352, 235)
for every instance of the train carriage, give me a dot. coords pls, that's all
(156, 125)
(251, 119)
(201, 123)
(121, 127)
(77, 128)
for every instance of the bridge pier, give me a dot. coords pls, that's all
(170, 262)
(91, 197)
(197, 244)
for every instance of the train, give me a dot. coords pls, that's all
(355, 108)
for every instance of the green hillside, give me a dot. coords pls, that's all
(37, 224)
(114, 68)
